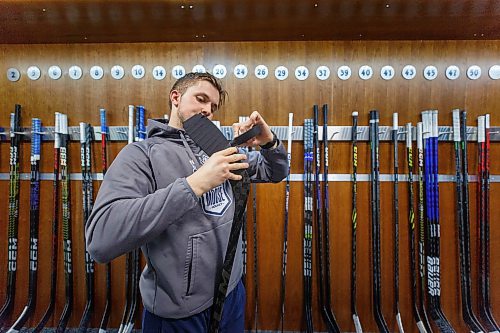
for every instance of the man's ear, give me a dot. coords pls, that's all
(175, 97)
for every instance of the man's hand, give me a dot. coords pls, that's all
(216, 170)
(255, 119)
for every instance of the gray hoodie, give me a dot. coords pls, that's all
(146, 201)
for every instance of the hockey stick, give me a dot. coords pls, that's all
(255, 257)
(244, 241)
(395, 128)
(422, 232)
(199, 128)
(66, 225)
(34, 223)
(467, 311)
(308, 232)
(325, 311)
(15, 145)
(87, 197)
(485, 293)
(285, 227)
(128, 260)
(55, 227)
(104, 154)
(354, 220)
(135, 271)
(411, 230)
(326, 218)
(375, 210)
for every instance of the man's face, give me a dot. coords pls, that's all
(202, 98)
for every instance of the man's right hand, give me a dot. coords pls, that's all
(216, 170)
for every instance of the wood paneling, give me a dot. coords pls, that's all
(82, 99)
(97, 21)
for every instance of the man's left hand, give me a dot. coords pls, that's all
(255, 119)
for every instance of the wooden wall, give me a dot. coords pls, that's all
(82, 99)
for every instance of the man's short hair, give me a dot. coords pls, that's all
(190, 79)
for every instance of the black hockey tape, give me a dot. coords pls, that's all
(210, 138)
(241, 139)
(206, 134)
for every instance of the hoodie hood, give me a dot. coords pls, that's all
(159, 127)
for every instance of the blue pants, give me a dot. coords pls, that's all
(233, 318)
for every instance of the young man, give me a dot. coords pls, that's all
(159, 194)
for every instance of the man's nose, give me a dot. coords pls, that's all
(206, 112)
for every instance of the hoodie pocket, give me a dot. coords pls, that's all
(190, 265)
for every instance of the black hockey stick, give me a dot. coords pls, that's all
(354, 221)
(66, 225)
(285, 226)
(199, 129)
(317, 216)
(86, 138)
(244, 247)
(134, 292)
(467, 311)
(308, 228)
(55, 228)
(255, 242)
(15, 144)
(375, 216)
(465, 297)
(104, 157)
(326, 219)
(485, 309)
(34, 222)
(483, 239)
(422, 233)
(411, 230)
(325, 310)
(255, 258)
(244, 237)
(395, 129)
(435, 163)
